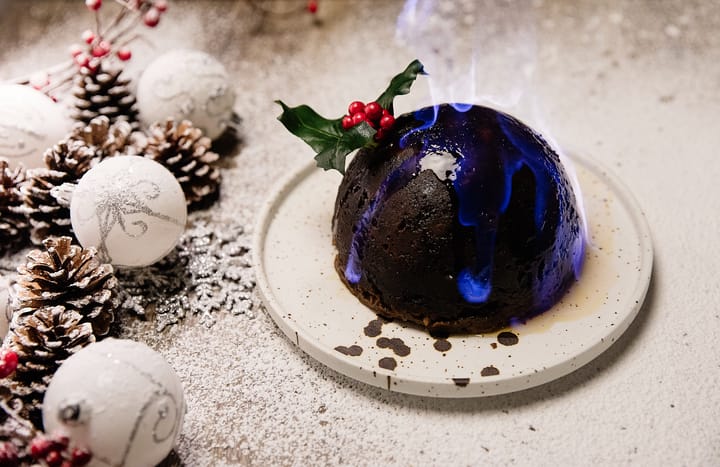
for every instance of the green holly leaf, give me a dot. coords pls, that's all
(400, 85)
(328, 138)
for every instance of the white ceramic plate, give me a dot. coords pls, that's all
(294, 255)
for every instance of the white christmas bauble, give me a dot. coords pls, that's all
(118, 398)
(30, 122)
(131, 208)
(187, 85)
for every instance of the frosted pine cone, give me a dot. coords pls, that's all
(104, 92)
(13, 223)
(43, 340)
(65, 162)
(184, 150)
(102, 137)
(71, 276)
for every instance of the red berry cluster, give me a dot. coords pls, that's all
(56, 452)
(377, 117)
(150, 12)
(8, 362)
(8, 455)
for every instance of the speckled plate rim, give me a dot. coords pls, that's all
(443, 386)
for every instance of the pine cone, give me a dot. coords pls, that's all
(184, 150)
(66, 162)
(70, 276)
(105, 139)
(43, 340)
(13, 223)
(104, 92)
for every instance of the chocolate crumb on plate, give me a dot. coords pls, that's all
(396, 344)
(489, 371)
(352, 351)
(387, 363)
(442, 345)
(508, 338)
(374, 328)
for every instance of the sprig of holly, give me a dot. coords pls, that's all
(333, 140)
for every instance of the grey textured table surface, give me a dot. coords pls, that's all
(635, 84)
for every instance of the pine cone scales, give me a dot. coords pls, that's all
(46, 338)
(66, 162)
(104, 92)
(184, 150)
(13, 223)
(105, 139)
(69, 275)
(42, 341)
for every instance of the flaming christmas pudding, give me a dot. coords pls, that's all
(458, 218)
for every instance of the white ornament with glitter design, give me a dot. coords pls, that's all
(131, 208)
(30, 122)
(118, 398)
(187, 85)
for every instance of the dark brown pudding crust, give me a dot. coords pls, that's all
(413, 247)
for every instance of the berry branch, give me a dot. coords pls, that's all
(99, 44)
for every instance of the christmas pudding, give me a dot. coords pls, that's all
(465, 224)
(458, 218)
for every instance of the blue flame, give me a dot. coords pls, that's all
(488, 156)
(396, 180)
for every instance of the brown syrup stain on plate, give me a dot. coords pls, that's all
(396, 344)
(352, 351)
(374, 328)
(387, 363)
(462, 382)
(507, 338)
(489, 371)
(442, 345)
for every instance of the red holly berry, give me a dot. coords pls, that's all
(373, 111)
(358, 117)
(387, 121)
(75, 50)
(8, 455)
(386, 112)
(347, 122)
(80, 457)
(40, 447)
(93, 5)
(356, 107)
(380, 134)
(82, 59)
(54, 458)
(152, 17)
(161, 5)
(60, 441)
(312, 6)
(102, 49)
(8, 362)
(124, 54)
(88, 36)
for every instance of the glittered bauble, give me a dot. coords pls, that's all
(30, 122)
(187, 85)
(131, 208)
(118, 398)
